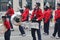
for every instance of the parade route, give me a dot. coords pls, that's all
(15, 35)
(25, 19)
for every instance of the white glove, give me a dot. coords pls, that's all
(36, 19)
(29, 19)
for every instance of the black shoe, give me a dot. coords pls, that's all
(23, 35)
(45, 33)
(57, 37)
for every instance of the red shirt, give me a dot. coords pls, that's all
(47, 14)
(7, 24)
(57, 14)
(10, 11)
(25, 14)
(38, 14)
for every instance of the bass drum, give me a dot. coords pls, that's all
(16, 19)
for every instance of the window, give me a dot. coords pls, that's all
(4, 0)
(52, 3)
(3, 4)
(20, 3)
(30, 3)
(3, 7)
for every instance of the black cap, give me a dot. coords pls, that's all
(38, 3)
(46, 7)
(21, 10)
(9, 6)
(3, 16)
(27, 6)
(58, 4)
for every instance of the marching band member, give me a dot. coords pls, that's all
(9, 13)
(57, 22)
(24, 15)
(47, 15)
(51, 17)
(36, 16)
(21, 29)
(6, 30)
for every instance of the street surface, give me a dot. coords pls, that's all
(15, 35)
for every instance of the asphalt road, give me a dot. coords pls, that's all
(15, 34)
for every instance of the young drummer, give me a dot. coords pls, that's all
(24, 18)
(25, 13)
(47, 15)
(9, 13)
(57, 22)
(7, 26)
(36, 16)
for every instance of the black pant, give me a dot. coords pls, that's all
(38, 33)
(21, 30)
(7, 35)
(10, 21)
(57, 29)
(46, 27)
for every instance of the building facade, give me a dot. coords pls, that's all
(3, 4)
(16, 4)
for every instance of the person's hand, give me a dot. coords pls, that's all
(36, 19)
(55, 21)
(29, 19)
(1, 32)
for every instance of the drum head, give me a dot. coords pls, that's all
(16, 19)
